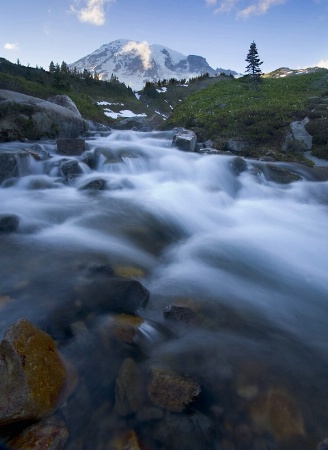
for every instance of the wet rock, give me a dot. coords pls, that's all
(71, 169)
(129, 272)
(125, 441)
(172, 391)
(8, 223)
(94, 185)
(179, 313)
(123, 327)
(276, 411)
(71, 146)
(184, 140)
(238, 165)
(32, 374)
(8, 166)
(279, 174)
(37, 152)
(184, 431)
(104, 294)
(128, 390)
(50, 434)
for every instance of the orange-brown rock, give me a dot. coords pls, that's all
(49, 434)
(128, 390)
(276, 411)
(124, 327)
(172, 391)
(32, 374)
(126, 441)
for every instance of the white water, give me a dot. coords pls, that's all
(250, 253)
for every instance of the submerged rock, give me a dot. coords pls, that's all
(8, 166)
(50, 434)
(128, 391)
(8, 223)
(172, 391)
(32, 374)
(71, 146)
(94, 185)
(179, 313)
(278, 174)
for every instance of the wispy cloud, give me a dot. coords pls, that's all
(323, 63)
(91, 11)
(244, 8)
(11, 46)
(143, 49)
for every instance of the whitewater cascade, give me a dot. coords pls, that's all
(247, 255)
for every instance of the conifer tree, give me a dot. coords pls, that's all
(253, 68)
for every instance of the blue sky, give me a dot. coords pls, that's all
(292, 33)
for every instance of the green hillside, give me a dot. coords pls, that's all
(232, 109)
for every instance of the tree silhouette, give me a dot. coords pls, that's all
(253, 68)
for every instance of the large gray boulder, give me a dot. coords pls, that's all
(184, 140)
(24, 116)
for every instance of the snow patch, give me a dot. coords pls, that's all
(120, 114)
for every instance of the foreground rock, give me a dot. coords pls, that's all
(184, 140)
(32, 374)
(172, 391)
(50, 434)
(24, 116)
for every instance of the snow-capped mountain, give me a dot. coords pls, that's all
(134, 63)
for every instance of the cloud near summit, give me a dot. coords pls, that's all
(90, 11)
(242, 8)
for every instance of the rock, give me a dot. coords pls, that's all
(8, 223)
(172, 391)
(238, 165)
(8, 166)
(126, 441)
(113, 294)
(71, 147)
(66, 102)
(94, 185)
(128, 390)
(179, 313)
(37, 152)
(32, 374)
(71, 169)
(184, 431)
(279, 174)
(276, 411)
(123, 327)
(24, 116)
(184, 140)
(50, 434)
(235, 146)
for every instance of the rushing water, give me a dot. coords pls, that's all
(248, 255)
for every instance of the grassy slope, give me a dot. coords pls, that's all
(230, 108)
(84, 93)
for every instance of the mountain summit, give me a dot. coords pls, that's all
(134, 63)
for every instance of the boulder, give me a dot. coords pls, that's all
(71, 169)
(65, 102)
(171, 391)
(50, 434)
(94, 185)
(128, 390)
(32, 374)
(8, 166)
(24, 116)
(280, 175)
(71, 146)
(235, 145)
(184, 140)
(8, 223)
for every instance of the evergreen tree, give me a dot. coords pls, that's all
(51, 67)
(253, 68)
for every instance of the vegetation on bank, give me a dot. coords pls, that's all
(84, 90)
(231, 109)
